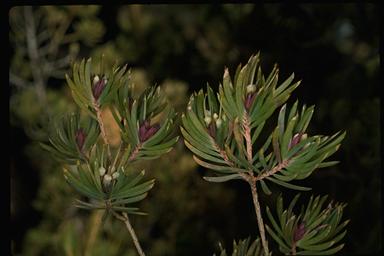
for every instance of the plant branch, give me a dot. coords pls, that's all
(58, 36)
(247, 135)
(252, 183)
(33, 54)
(125, 219)
(274, 170)
(134, 152)
(102, 129)
(293, 249)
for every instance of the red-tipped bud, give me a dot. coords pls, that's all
(146, 130)
(98, 86)
(299, 232)
(80, 138)
(249, 100)
(295, 140)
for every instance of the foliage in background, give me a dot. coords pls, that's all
(195, 42)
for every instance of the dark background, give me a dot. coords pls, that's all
(333, 48)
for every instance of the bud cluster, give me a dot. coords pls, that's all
(213, 122)
(147, 130)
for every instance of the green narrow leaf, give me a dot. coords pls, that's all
(222, 178)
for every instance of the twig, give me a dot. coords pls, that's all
(260, 223)
(247, 135)
(134, 152)
(125, 219)
(33, 54)
(58, 36)
(102, 129)
(277, 168)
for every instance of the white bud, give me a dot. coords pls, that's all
(304, 136)
(102, 171)
(218, 123)
(207, 120)
(251, 88)
(115, 175)
(215, 116)
(107, 180)
(105, 81)
(96, 79)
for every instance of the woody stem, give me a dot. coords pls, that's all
(131, 231)
(260, 222)
(102, 128)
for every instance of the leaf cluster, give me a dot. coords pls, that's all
(100, 174)
(244, 247)
(222, 130)
(317, 230)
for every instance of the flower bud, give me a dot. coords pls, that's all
(295, 140)
(80, 137)
(96, 79)
(207, 120)
(249, 100)
(98, 86)
(102, 171)
(115, 175)
(146, 130)
(215, 116)
(107, 180)
(218, 123)
(299, 232)
(251, 88)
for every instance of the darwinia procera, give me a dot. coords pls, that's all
(223, 132)
(226, 133)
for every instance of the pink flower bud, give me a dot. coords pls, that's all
(295, 140)
(80, 138)
(98, 87)
(249, 100)
(146, 130)
(299, 232)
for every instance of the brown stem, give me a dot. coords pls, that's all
(102, 129)
(293, 249)
(134, 152)
(274, 170)
(260, 223)
(247, 135)
(125, 219)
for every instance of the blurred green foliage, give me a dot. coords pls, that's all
(332, 47)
